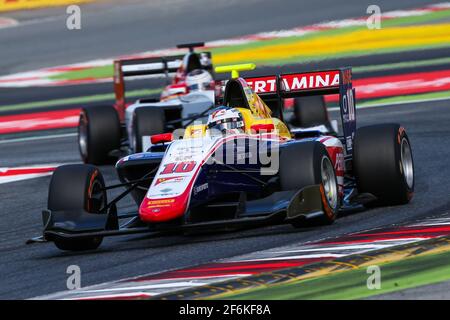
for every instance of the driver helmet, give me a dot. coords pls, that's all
(199, 80)
(226, 121)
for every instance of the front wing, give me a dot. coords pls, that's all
(280, 207)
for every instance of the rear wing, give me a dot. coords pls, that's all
(141, 67)
(337, 81)
(144, 67)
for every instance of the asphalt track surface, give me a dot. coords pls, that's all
(437, 291)
(31, 270)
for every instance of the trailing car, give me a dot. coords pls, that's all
(105, 133)
(243, 167)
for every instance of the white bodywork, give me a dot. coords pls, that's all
(185, 151)
(193, 103)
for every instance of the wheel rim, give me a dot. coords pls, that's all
(133, 138)
(83, 136)
(133, 141)
(329, 182)
(407, 163)
(97, 197)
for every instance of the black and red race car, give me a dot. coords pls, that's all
(253, 171)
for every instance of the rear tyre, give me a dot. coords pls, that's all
(383, 163)
(146, 122)
(308, 163)
(310, 111)
(77, 186)
(99, 133)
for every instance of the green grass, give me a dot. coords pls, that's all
(396, 22)
(146, 92)
(107, 71)
(352, 284)
(415, 20)
(401, 65)
(96, 72)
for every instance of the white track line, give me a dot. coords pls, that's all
(52, 136)
(368, 106)
(6, 22)
(27, 175)
(363, 106)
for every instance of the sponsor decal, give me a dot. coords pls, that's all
(340, 162)
(146, 155)
(255, 103)
(183, 158)
(313, 80)
(347, 105)
(263, 84)
(169, 179)
(196, 132)
(296, 82)
(349, 143)
(218, 113)
(181, 167)
(160, 203)
(200, 188)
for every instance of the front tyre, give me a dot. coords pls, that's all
(305, 164)
(77, 186)
(383, 163)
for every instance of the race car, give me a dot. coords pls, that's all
(105, 133)
(241, 168)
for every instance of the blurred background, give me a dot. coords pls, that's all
(46, 66)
